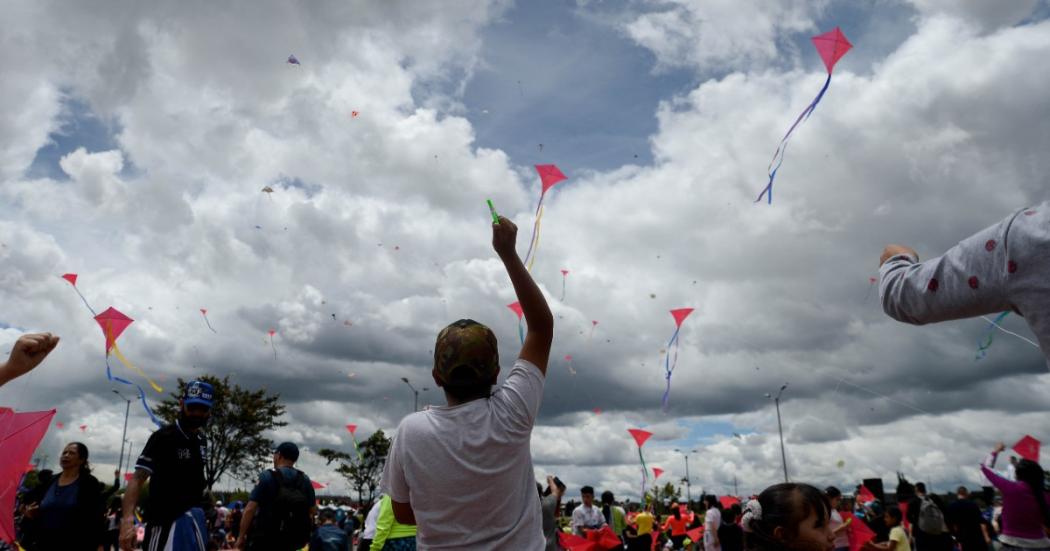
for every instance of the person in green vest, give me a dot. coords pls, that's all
(614, 515)
(391, 535)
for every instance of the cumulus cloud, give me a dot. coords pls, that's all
(374, 237)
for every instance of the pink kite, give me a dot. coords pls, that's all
(352, 429)
(549, 176)
(679, 315)
(728, 501)
(564, 274)
(657, 472)
(317, 485)
(72, 279)
(516, 308)
(60, 425)
(640, 437)
(864, 495)
(831, 46)
(1028, 448)
(568, 359)
(204, 312)
(859, 532)
(83, 428)
(20, 434)
(113, 324)
(272, 345)
(597, 411)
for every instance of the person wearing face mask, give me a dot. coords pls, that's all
(173, 462)
(788, 517)
(70, 512)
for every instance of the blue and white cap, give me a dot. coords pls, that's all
(198, 392)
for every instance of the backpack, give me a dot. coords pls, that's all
(286, 523)
(931, 519)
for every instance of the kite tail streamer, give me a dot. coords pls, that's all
(778, 155)
(986, 342)
(645, 471)
(127, 364)
(209, 324)
(563, 288)
(85, 301)
(534, 240)
(669, 365)
(142, 393)
(521, 330)
(274, 347)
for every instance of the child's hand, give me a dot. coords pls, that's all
(504, 236)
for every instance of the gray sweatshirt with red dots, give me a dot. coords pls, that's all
(1003, 267)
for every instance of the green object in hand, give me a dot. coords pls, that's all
(492, 209)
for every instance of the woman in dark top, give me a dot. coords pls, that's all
(71, 513)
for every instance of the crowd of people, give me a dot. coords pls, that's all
(460, 476)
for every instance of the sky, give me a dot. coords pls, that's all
(137, 140)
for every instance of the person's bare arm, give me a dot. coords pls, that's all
(128, 537)
(403, 513)
(537, 347)
(28, 352)
(246, 523)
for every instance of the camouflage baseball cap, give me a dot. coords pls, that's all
(465, 345)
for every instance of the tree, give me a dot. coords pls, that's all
(239, 417)
(363, 469)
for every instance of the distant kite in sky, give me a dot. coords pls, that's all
(831, 46)
(354, 114)
(516, 308)
(272, 345)
(594, 324)
(871, 285)
(679, 316)
(352, 429)
(292, 60)
(83, 428)
(72, 279)
(657, 471)
(549, 176)
(564, 275)
(568, 360)
(204, 313)
(640, 437)
(989, 335)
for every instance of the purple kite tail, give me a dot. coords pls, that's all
(669, 366)
(142, 393)
(778, 155)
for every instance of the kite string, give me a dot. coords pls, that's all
(1008, 332)
(872, 392)
(208, 323)
(530, 256)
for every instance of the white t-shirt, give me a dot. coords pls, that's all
(712, 520)
(371, 519)
(587, 517)
(467, 469)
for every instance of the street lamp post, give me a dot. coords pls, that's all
(415, 394)
(688, 482)
(780, 428)
(123, 438)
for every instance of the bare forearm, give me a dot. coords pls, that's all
(131, 495)
(246, 520)
(533, 305)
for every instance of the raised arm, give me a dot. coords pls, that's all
(29, 350)
(967, 281)
(537, 347)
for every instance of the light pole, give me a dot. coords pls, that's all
(688, 483)
(415, 393)
(123, 437)
(780, 428)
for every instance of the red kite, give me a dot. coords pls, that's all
(859, 532)
(516, 308)
(1028, 448)
(83, 428)
(549, 176)
(22, 433)
(831, 46)
(657, 472)
(864, 495)
(640, 437)
(204, 312)
(272, 345)
(317, 485)
(679, 315)
(72, 279)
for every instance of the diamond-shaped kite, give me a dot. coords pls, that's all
(20, 436)
(516, 308)
(550, 175)
(1028, 448)
(679, 315)
(831, 46)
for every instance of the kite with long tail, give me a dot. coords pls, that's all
(114, 323)
(831, 46)
(989, 334)
(679, 316)
(516, 308)
(640, 437)
(204, 313)
(272, 345)
(352, 429)
(564, 275)
(549, 176)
